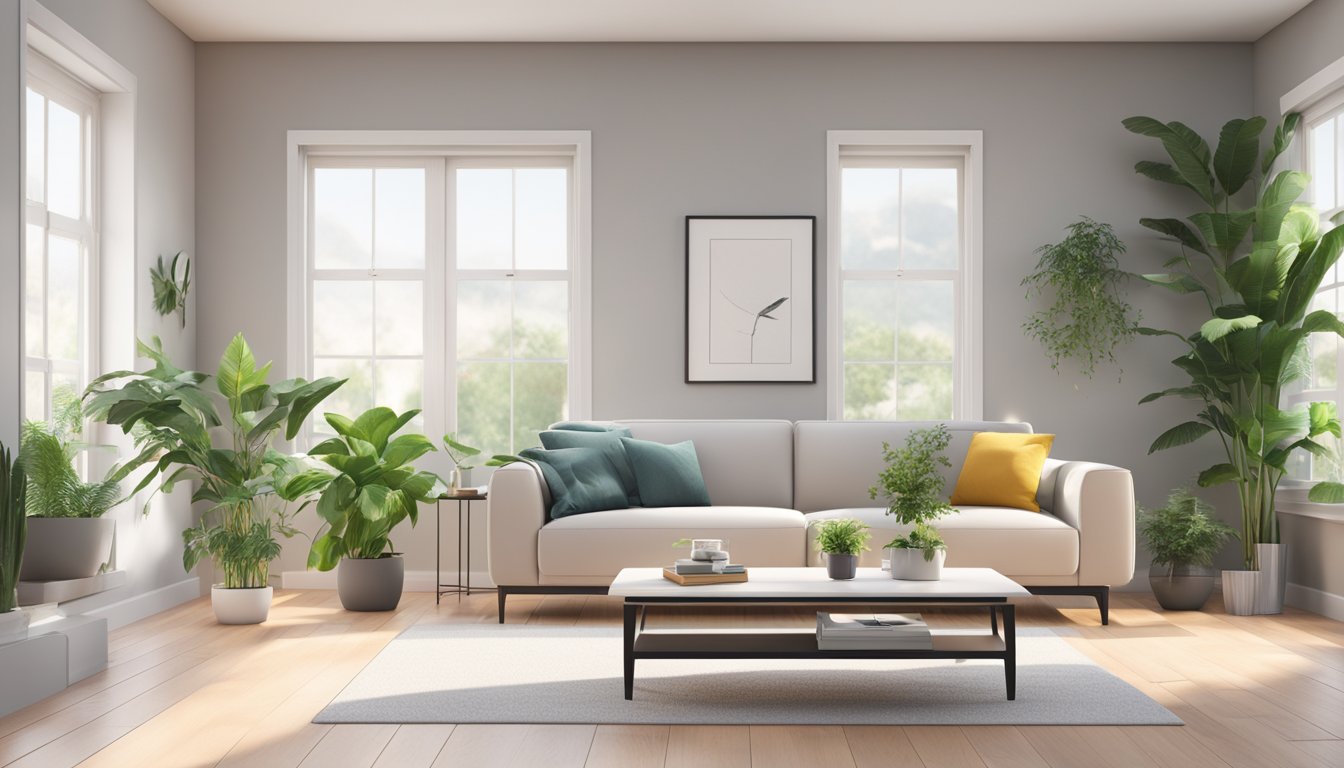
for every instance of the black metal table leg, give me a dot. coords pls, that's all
(438, 545)
(994, 619)
(630, 609)
(459, 547)
(468, 581)
(1010, 650)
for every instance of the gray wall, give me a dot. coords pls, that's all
(149, 547)
(12, 21)
(681, 129)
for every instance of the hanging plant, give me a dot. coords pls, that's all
(1087, 319)
(170, 294)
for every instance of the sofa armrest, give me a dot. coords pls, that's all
(518, 501)
(1098, 500)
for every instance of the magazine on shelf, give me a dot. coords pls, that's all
(867, 631)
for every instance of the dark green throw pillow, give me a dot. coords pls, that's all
(580, 480)
(606, 442)
(668, 475)
(590, 426)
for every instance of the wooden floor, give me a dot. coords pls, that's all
(183, 691)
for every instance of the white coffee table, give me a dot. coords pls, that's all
(644, 588)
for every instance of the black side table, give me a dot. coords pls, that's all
(463, 585)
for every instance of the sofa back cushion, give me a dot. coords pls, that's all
(836, 462)
(745, 463)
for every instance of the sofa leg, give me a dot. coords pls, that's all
(1101, 594)
(503, 594)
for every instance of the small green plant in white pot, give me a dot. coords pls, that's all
(913, 487)
(841, 541)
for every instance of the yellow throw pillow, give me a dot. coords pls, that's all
(1002, 469)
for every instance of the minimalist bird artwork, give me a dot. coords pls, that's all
(764, 314)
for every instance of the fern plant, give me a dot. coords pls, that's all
(54, 487)
(1183, 532)
(170, 294)
(842, 537)
(13, 527)
(1086, 319)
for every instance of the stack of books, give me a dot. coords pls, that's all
(873, 632)
(688, 572)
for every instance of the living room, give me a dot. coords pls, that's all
(521, 326)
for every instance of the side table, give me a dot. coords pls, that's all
(463, 584)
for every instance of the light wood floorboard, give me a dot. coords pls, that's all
(181, 691)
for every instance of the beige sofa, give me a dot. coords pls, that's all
(769, 479)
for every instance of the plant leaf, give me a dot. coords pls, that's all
(772, 307)
(1219, 327)
(1218, 474)
(1180, 434)
(1238, 149)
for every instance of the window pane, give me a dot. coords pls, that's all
(343, 218)
(34, 294)
(64, 161)
(65, 392)
(484, 218)
(542, 213)
(929, 218)
(923, 392)
(869, 391)
(1324, 346)
(400, 385)
(483, 397)
(353, 398)
(400, 327)
(1323, 164)
(36, 139)
(1339, 160)
(870, 218)
(925, 317)
(34, 396)
(342, 317)
(540, 396)
(541, 319)
(400, 222)
(63, 304)
(870, 320)
(483, 311)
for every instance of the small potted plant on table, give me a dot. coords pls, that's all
(842, 541)
(1183, 539)
(913, 488)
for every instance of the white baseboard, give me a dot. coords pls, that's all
(1327, 604)
(416, 581)
(133, 609)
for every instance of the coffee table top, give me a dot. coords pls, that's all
(812, 584)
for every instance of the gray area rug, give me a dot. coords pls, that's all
(508, 674)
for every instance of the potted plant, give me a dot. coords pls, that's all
(1087, 318)
(913, 488)
(68, 535)
(458, 452)
(1183, 539)
(374, 489)
(176, 423)
(841, 541)
(13, 531)
(1255, 258)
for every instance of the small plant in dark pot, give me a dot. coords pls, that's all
(841, 541)
(1183, 539)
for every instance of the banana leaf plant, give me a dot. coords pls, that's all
(1255, 257)
(374, 487)
(181, 433)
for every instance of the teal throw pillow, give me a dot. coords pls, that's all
(668, 475)
(608, 443)
(590, 426)
(580, 480)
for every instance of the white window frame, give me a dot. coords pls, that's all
(460, 148)
(967, 365)
(46, 78)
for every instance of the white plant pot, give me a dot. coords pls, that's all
(1273, 560)
(13, 626)
(910, 565)
(1240, 589)
(241, 606)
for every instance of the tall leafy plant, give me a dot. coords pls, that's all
(218, 431)
(375, 487)
(13, 527)
(1255, 258)
(913, 485)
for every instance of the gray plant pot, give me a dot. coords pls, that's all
(62, 548)
(841, 567)
(1183, 588)
(1240, 590)
(1273, 560)
(370, 585)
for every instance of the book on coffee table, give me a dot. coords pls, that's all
(868, 631)
(700, 579)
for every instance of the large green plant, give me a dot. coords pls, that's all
(13, 527)
(1086, 318)
(374, 488)
(1183, 532)
(182, 435)
(54, 487)
(913, 487)
(1255, 258)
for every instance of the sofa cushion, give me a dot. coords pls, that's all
(1013, 542)
(667, 475)
(746, 463)
(602, 543)
(608, 442)
(1002, 469)
(580, 480)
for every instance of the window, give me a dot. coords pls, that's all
(1322, 135)
(447, 282)
(902, 255)
(60, 329)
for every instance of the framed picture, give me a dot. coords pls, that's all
(749, 298)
